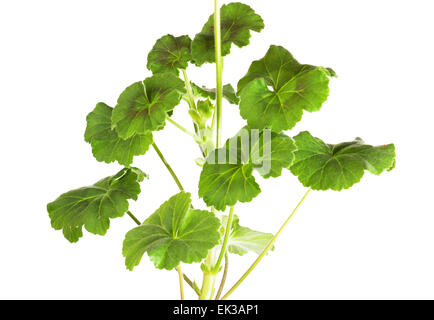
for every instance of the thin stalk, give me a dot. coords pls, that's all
(172, 173)
(265, 251)
(181, 282)
(191, 284)
(225, 241)
(191, 134)
(137, 221)
(189, 90)
(186, 278)
(219, 71)
(225, 274)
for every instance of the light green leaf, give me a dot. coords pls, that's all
(94, 206)
(170, 54)
(226, 176)
(325, 166)
(173, 234)
(277, 89)
(144, 105)
(237, 20)
(105, 142)
(243, 240)
(228, 93)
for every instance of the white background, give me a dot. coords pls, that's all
(374, 241)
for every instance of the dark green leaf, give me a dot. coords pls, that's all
(144, 105)
(95, 205)
(170, 54)
(277, 89)
(237, 20)
(173, 234)
(228, 93)
(105, 142)
(227, 174)
(325, 166)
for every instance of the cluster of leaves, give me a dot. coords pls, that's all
(272, 97)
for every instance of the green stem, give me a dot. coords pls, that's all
(225, 241)
(137, 221)
(172, 173)
(225, 274)
(219, 71)
(189, 90)
(191, 134)
(265, 251)
(181, 282)
(207, 286)
(209, 277)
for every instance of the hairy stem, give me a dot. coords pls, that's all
(265, 251)
(181, 282)
(225, 274)
(172, 173)
(225, 241)
(219, 71)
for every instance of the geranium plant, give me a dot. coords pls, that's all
(272, 97)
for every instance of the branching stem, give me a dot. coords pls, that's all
(265, 251)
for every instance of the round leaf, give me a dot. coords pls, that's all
(277, 89)
(95, 205)
(226, 176)
(172, 234)
(143, 106)
(237, 20)
(325, 166)
(170, 54)
(105, 142)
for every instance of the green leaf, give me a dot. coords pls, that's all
(173, 234)
(226, 176)
(237, 20)
(144, 105)
(94, 206)
(228, 93)
(277, 89)
(170, 54)
(243, 240)
(105, 142)
(326, 166)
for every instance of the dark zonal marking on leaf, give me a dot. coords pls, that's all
(170, 54)
(237, 21)
(325, 166)
(144, 105)
(294, 87)
(94, 206)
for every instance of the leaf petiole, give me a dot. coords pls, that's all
(265, 251)
(224, 248)
(169, 168)
(181, 281)
(180, 127)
